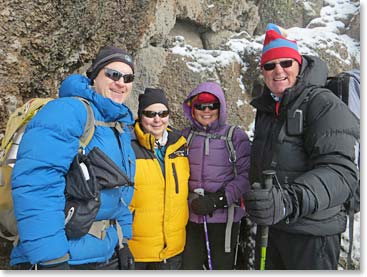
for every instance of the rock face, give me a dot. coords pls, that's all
(176, 44)
(42, 42)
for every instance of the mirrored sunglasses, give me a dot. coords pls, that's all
(283, 64)
(211, 106)
(116, 75)
(152, 114)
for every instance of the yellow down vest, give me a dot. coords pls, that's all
(159, 205)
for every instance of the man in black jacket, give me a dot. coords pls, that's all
(309, 138)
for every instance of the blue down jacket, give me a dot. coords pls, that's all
(214, 171)
(46, 151)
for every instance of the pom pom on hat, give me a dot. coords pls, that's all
(108, 55)
(151, 96)
(277, 46)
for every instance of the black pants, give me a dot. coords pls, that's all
(173, 263)
(195, 253)
(287, 251)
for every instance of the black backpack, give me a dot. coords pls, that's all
(346, 85)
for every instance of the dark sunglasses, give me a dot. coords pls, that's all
(116, 75)
(283, 64)
(211, 106)
(152, 114)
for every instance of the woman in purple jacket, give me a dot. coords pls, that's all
(216, 184)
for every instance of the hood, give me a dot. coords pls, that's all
(79, 86)
(314, 72)
(214, 89)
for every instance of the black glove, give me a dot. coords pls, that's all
(58, 266)
(208, 203)
(267, 206)
(126, 258)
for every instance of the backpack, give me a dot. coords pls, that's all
(346, 86)
(14, 131)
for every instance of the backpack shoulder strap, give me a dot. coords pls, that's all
(189, 137)
(228, 138)
(230, 147)
(229, 142)
(291, 113)
(230, 215)
(116, 125)
(89, 126)
(339, 85)
(351, 233)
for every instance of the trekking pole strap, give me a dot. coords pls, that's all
(351, 234)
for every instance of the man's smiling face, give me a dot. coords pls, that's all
(279, 78)
(118, 91)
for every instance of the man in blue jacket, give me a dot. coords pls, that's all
(46, 152)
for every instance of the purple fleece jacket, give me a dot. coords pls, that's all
(214, 171)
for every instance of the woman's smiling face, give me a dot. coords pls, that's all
(206, 113)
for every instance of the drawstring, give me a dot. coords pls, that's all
(277, 105)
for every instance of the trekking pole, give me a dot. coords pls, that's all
(268, 182)
(238, 244)
(200, 191)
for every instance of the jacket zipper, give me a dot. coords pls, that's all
(174, 172)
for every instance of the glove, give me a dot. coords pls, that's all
(267, 206)
(208, 203)
(126, 258)
(58, 266)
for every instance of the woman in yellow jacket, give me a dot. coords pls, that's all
(159, 204)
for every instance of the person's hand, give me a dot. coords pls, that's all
(208, 203)
(57, 266)
(267, 206)
(126, 258)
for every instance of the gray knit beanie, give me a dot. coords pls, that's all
(108, 55)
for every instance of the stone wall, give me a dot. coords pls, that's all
(176, 44)
(44, 41)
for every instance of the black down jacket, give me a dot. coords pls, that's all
(317, 167)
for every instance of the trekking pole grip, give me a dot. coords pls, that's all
(268, 182)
